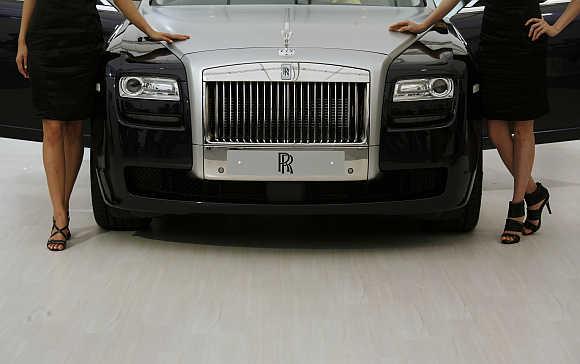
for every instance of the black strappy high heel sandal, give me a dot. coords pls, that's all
(68, 233)
(540, 194)
(60, 242)
(515, 210)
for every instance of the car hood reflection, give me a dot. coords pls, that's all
(363, 28)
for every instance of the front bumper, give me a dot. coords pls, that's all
(361, 198)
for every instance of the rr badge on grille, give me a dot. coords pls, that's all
(286, 72)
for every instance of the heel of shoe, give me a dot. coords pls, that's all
(548, 206)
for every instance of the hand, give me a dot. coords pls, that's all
(22, 60)
(168, 37)
(539, 27)
(408, 26)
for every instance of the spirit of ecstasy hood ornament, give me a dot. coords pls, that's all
(286, 36)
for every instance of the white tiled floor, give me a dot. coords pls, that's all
(232, 289)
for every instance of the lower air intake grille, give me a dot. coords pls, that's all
(178, 184)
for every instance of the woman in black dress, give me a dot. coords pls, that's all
(59, 48)
(512, 66)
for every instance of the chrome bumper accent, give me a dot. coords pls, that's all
(215, 163)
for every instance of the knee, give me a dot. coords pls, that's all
(524, 131)
(73, 128)
(52, 131)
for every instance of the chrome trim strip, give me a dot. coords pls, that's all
(356, 112)
(342, 121)
(314, 120)
(308, 112)
(349, 87)
(216, 111)
(294, 112)
(251, 110)
(367, 112)
(271, 109)
(230, 112)
(224, 109)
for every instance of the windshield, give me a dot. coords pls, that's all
(395, 3)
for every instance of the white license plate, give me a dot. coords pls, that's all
(286, 164)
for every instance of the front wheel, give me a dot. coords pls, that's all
(108, 217)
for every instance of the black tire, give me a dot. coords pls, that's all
(107, 217)
(465, 219)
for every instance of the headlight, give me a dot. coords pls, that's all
(151, 88)
(423, 89)
(422, 102)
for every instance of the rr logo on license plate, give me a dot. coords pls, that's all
(285, 161)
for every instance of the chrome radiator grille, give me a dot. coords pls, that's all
(257, 112)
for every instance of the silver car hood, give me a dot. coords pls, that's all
(362, 28)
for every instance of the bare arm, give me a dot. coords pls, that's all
(439, 13)
(132, 13)
(572, 11)
(540, 26)
(22, 55)
(27, 9)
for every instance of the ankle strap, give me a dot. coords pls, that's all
(540, 194)
(513, 225)
(516, 209)
(58, 229)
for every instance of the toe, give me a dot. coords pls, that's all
(56, 246)
(505, 238)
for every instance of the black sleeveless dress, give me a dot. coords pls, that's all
(512, 66)
(65, 42)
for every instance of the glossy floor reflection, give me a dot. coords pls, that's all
(263, 289)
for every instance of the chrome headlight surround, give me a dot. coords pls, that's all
(149, 88)
(424, 89)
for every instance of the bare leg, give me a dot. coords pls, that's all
(524, 154)
(54, 167)
(525, 150)
(501, 136)
(73, 152)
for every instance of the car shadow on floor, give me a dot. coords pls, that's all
(297, 232)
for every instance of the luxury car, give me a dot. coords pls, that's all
(290, 107)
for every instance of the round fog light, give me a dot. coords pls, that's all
(441, 87)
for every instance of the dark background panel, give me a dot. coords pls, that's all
(16, 116)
